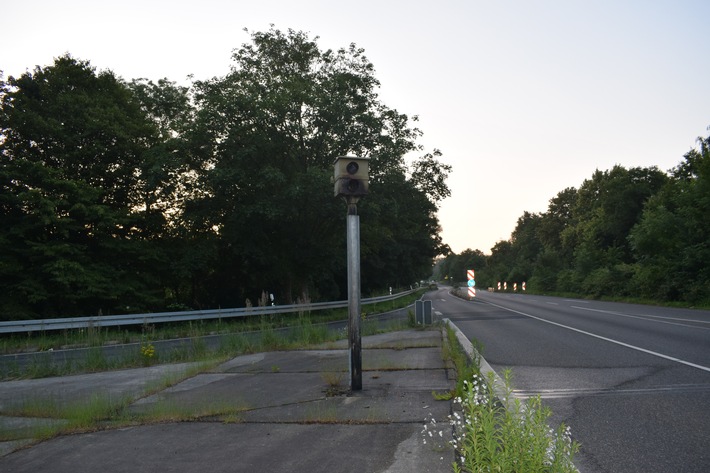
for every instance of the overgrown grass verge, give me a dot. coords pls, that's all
(47, 418)
(101, 412)
(98, 336)
(169, 411)
(50, 419)
(493, 431)
(267, 333)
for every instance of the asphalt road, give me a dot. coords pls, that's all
(632, 381)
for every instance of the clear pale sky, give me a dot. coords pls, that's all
(523, 97)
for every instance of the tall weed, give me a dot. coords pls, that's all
(494, 431)
(508, 435)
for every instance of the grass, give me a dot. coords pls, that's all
(240, 336)
(100, 411)
(170, 411)
(98, 336)
(334, 383)
(493, 431)
(173, 378)
(459, 360)
(80, 416)
(506, 435)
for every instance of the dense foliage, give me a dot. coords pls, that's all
(135, 196)
(630, 233)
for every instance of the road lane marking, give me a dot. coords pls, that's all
(594, 392)
(623, 344)
(645, 317)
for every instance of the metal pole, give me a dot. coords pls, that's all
(354, 337)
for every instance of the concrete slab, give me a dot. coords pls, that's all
(408, 407)
(240, 391)
(217, 447)
(402, 359)
(334, 360)
(405, 391)
(68, 390)
(396, 340)
(280, 411)
(298, 361)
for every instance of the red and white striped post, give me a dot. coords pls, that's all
(471, 283)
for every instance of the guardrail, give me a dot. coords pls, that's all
(19, 326)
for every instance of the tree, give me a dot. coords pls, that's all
(501, 260)
(185, 258)
(73, 147)
(634, 232)
(554, 231)
(608, 206)
(429, 176)
(670, 240)
(581, 244)
(274, 125)
(454, 266)
(136, 196)
(526, 247)
(555, 222)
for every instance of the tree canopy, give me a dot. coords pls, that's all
(140, 196)
(638, 233)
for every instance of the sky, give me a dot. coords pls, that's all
(523, 97)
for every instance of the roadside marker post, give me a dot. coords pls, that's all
(470, 275)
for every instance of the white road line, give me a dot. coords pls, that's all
(587, 392)
(645, 317)
(673, 318)
(633, 347)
